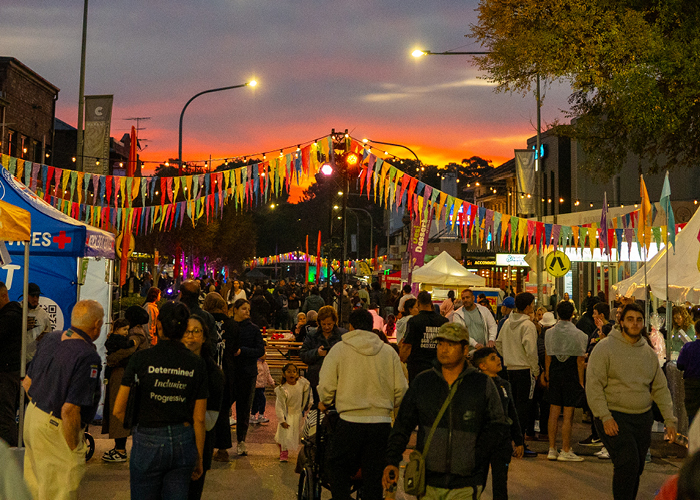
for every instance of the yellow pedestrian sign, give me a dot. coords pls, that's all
(557, 263)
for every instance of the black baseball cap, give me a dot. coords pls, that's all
(33, 290)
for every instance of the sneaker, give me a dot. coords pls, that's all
(231, 421)
(262, 419)
(648, 457)
(241, 450)
(528, 453)
(591, 441)
(284, 456)
(253, 419)
(220, 456)
(553, 454)
(603, 454)
(114, 456)
(569, 456)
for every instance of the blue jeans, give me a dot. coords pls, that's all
(162, 461)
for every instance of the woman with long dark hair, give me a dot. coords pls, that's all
(196, 339)
(170, 406)
(241, 368)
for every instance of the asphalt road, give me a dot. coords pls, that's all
(260, 475)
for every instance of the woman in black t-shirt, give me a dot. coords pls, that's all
(171, 401)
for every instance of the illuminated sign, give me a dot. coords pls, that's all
(511, 259)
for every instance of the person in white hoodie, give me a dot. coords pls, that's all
(517, 343)
(363, 377)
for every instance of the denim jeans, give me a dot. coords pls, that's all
(162, 461)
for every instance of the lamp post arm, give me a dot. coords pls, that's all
(182, 114)
(399, 146)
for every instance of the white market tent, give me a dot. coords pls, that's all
(444, 270)
(683, 273)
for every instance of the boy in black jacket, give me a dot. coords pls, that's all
(488, 362)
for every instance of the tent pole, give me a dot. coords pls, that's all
(23, 361)
(669, 309)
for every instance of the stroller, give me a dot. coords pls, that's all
(312, 464)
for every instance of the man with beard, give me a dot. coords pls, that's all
(623, 379)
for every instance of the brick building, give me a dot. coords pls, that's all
(27, 111)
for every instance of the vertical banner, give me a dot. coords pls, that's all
(526, 181)
(98, 119)
(420, 232)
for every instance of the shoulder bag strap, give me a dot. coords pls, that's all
(439, 416)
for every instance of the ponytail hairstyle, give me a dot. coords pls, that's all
(284, 369)
(173, 317)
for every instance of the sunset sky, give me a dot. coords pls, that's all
(319, 65)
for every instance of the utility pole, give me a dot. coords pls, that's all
(538, 184)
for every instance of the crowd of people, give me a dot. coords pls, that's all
(477, 384)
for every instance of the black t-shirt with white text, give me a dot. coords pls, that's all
(171, 379)
(421, 333)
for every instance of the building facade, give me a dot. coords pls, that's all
(27, 111)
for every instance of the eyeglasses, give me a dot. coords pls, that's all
(193, 333)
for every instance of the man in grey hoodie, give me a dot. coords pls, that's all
(622, 381)
(363, 377)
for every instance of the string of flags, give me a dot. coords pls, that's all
(350, 266)
(120, 202)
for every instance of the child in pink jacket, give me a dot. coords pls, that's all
(257, 411)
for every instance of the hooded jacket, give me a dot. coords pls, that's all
(465, 437)
(517, 343)
(626, 377)
(364, 377)
(11, 337)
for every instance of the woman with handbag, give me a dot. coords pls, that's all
(168, 388)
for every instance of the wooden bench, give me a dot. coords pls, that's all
(278, 354)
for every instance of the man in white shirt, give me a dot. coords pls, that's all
(479, 321)
(36, 316)
(406, 294)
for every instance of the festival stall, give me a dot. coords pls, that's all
(68, 257)
(445, 271)
(683, 272)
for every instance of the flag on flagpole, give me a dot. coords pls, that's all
(604, 224)
(306, 280)
(644, 215)
(318, 259)
(665, 203)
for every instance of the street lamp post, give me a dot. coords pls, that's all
(251, 83)
(371, 230)
(81, 93)
(538, 186)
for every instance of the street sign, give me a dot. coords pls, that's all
(118, 246)
(557, 264)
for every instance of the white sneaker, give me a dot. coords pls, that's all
(602, 454)
(569, 456)
(231, 421)
(553, 454)
(253, 420)
(241, 450)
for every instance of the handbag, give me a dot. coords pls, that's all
(414, 474)
(132, 404)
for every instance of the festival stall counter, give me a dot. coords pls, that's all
(68, 258)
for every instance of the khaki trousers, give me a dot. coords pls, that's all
(432, 493)
(52, 470)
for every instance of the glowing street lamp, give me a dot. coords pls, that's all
(251, 83)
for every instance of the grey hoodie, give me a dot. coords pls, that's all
(517, 343)
(626, 377)
(364, 377)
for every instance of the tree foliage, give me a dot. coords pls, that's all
(633, 66)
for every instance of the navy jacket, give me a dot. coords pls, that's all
(309, 350)
(252, 347)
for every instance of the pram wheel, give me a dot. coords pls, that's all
(309, 488)
(90, 441)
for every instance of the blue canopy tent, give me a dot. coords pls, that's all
(59, 245)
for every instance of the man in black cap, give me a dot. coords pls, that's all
(10, 356)
(38, 321)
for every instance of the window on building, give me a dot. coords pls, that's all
(23, 147)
